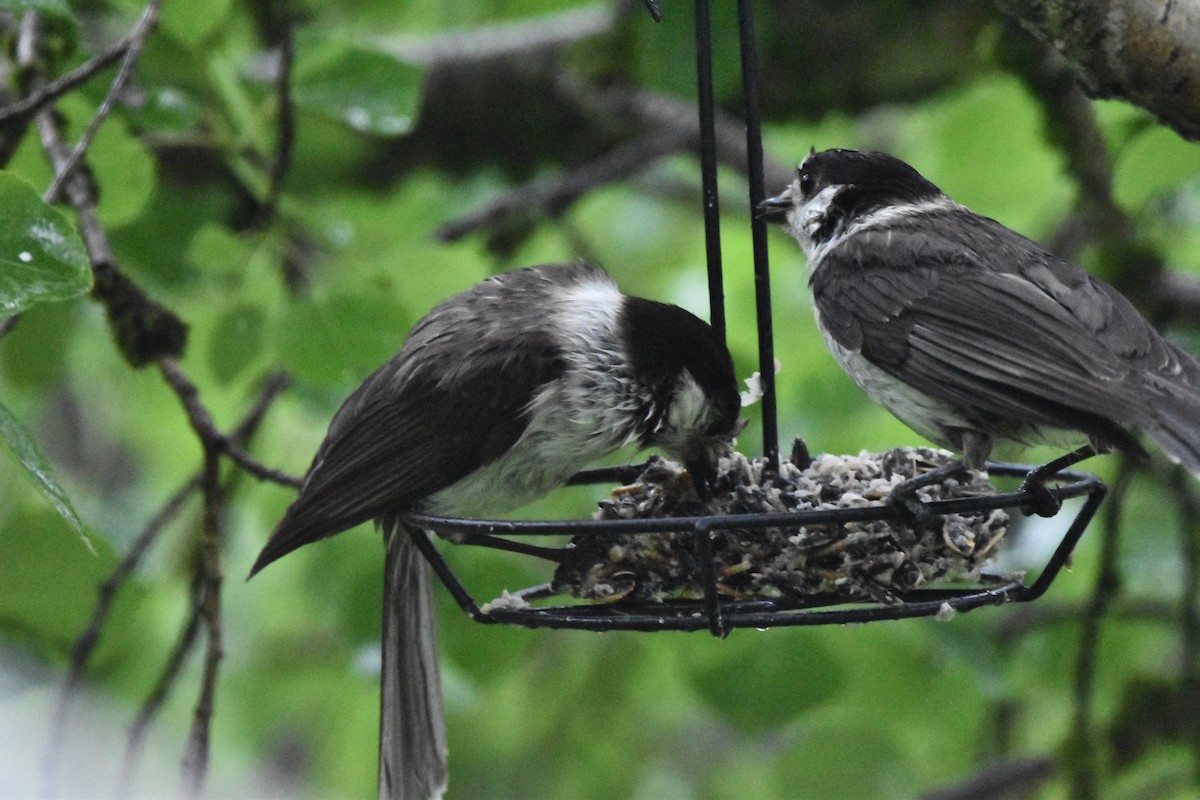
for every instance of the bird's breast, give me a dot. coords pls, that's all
(926, 415)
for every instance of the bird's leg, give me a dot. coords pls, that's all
(1045, 501)
(976, 448)
(904, 496)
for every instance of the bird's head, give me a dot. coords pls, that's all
(688, 375)
(835, 190)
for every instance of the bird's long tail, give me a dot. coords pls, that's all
(412, 730)
(1175, 414)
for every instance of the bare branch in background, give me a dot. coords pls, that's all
(1014, 778)
(282, 32)
(660, 112)
(1187, 504)
(552, 195)
(202, 423)
(670, 126)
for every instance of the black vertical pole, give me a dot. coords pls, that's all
(708, 167)
(758, 233)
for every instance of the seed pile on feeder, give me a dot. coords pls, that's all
(855, 560)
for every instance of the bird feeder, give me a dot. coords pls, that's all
(832, 555)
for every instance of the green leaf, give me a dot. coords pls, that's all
(236, 342)
(1155, 163)
(192, 23)
(369, 91)
(41, 255)
(339, 339)
(836, 758)
(47, 586)
(25, 450)
(123, 167)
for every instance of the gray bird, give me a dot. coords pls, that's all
(969, 332)
(499, 395)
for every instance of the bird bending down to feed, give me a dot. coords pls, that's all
(497, 396)
(969, 332)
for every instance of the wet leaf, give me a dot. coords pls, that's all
(26, 453)
(369, 91)
(41, 255)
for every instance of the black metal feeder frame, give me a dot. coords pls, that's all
(714, 612)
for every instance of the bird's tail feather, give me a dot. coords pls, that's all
(1175, 421)
(412, 730)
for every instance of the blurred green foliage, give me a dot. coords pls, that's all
(397, 132)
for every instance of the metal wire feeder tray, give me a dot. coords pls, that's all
(719, 614)
(714, 612)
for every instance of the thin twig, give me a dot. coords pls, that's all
(208, 566)
(86, 642)
(136, 41)
(144, 330)
(51, 91)
(158, 695)
(286, 137)
(664, 114)
(552, 195)
(202, 423)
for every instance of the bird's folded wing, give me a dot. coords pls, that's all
(1005, 343)
(404, 435)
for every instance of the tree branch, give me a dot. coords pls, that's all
(202, 423)
(162, 687)
(1012, 778)
(552, 195)
(50, 91)
(144, 329)
(86, 642)
(1143, 52)
(210, 579)
(136, 41)
(669, 126)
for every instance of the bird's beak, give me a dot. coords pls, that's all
(704, 475)
(774, 209)
(701, 462)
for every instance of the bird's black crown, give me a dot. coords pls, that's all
(664, 339)
(866, 181)
(876, 178)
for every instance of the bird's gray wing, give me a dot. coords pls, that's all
(417, 425)
(1038, 343)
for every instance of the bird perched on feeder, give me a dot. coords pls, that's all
(969, 332)
(497, 396)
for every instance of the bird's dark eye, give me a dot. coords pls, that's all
(806, 183)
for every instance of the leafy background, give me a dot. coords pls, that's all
(402, 117)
